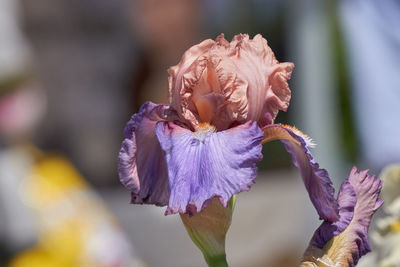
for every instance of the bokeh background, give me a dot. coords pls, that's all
(73, 72)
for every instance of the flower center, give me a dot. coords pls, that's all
(202, 130)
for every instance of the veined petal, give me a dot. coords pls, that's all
(204, 165)
(316, 180)
(342, 243)
(141, 164)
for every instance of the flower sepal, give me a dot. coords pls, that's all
(208, 229)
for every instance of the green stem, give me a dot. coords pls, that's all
(216, 261)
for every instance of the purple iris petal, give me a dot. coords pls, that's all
(358, 201)
(142, 166)
(316, 180)
(347, 200)
(204, 165)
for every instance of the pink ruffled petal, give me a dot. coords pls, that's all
(226, 83)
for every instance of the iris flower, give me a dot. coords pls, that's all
(224, 98)
(203, 147)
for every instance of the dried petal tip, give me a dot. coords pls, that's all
(345, 241)
(223, 82)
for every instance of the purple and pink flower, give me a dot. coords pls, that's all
(205, 145)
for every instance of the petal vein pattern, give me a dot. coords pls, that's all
(220, 165)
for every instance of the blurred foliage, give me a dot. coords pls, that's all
(341, 65)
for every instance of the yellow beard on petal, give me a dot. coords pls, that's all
(203, 129)
(307, 139)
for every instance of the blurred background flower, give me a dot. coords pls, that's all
(386, 238)
(72, 72)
